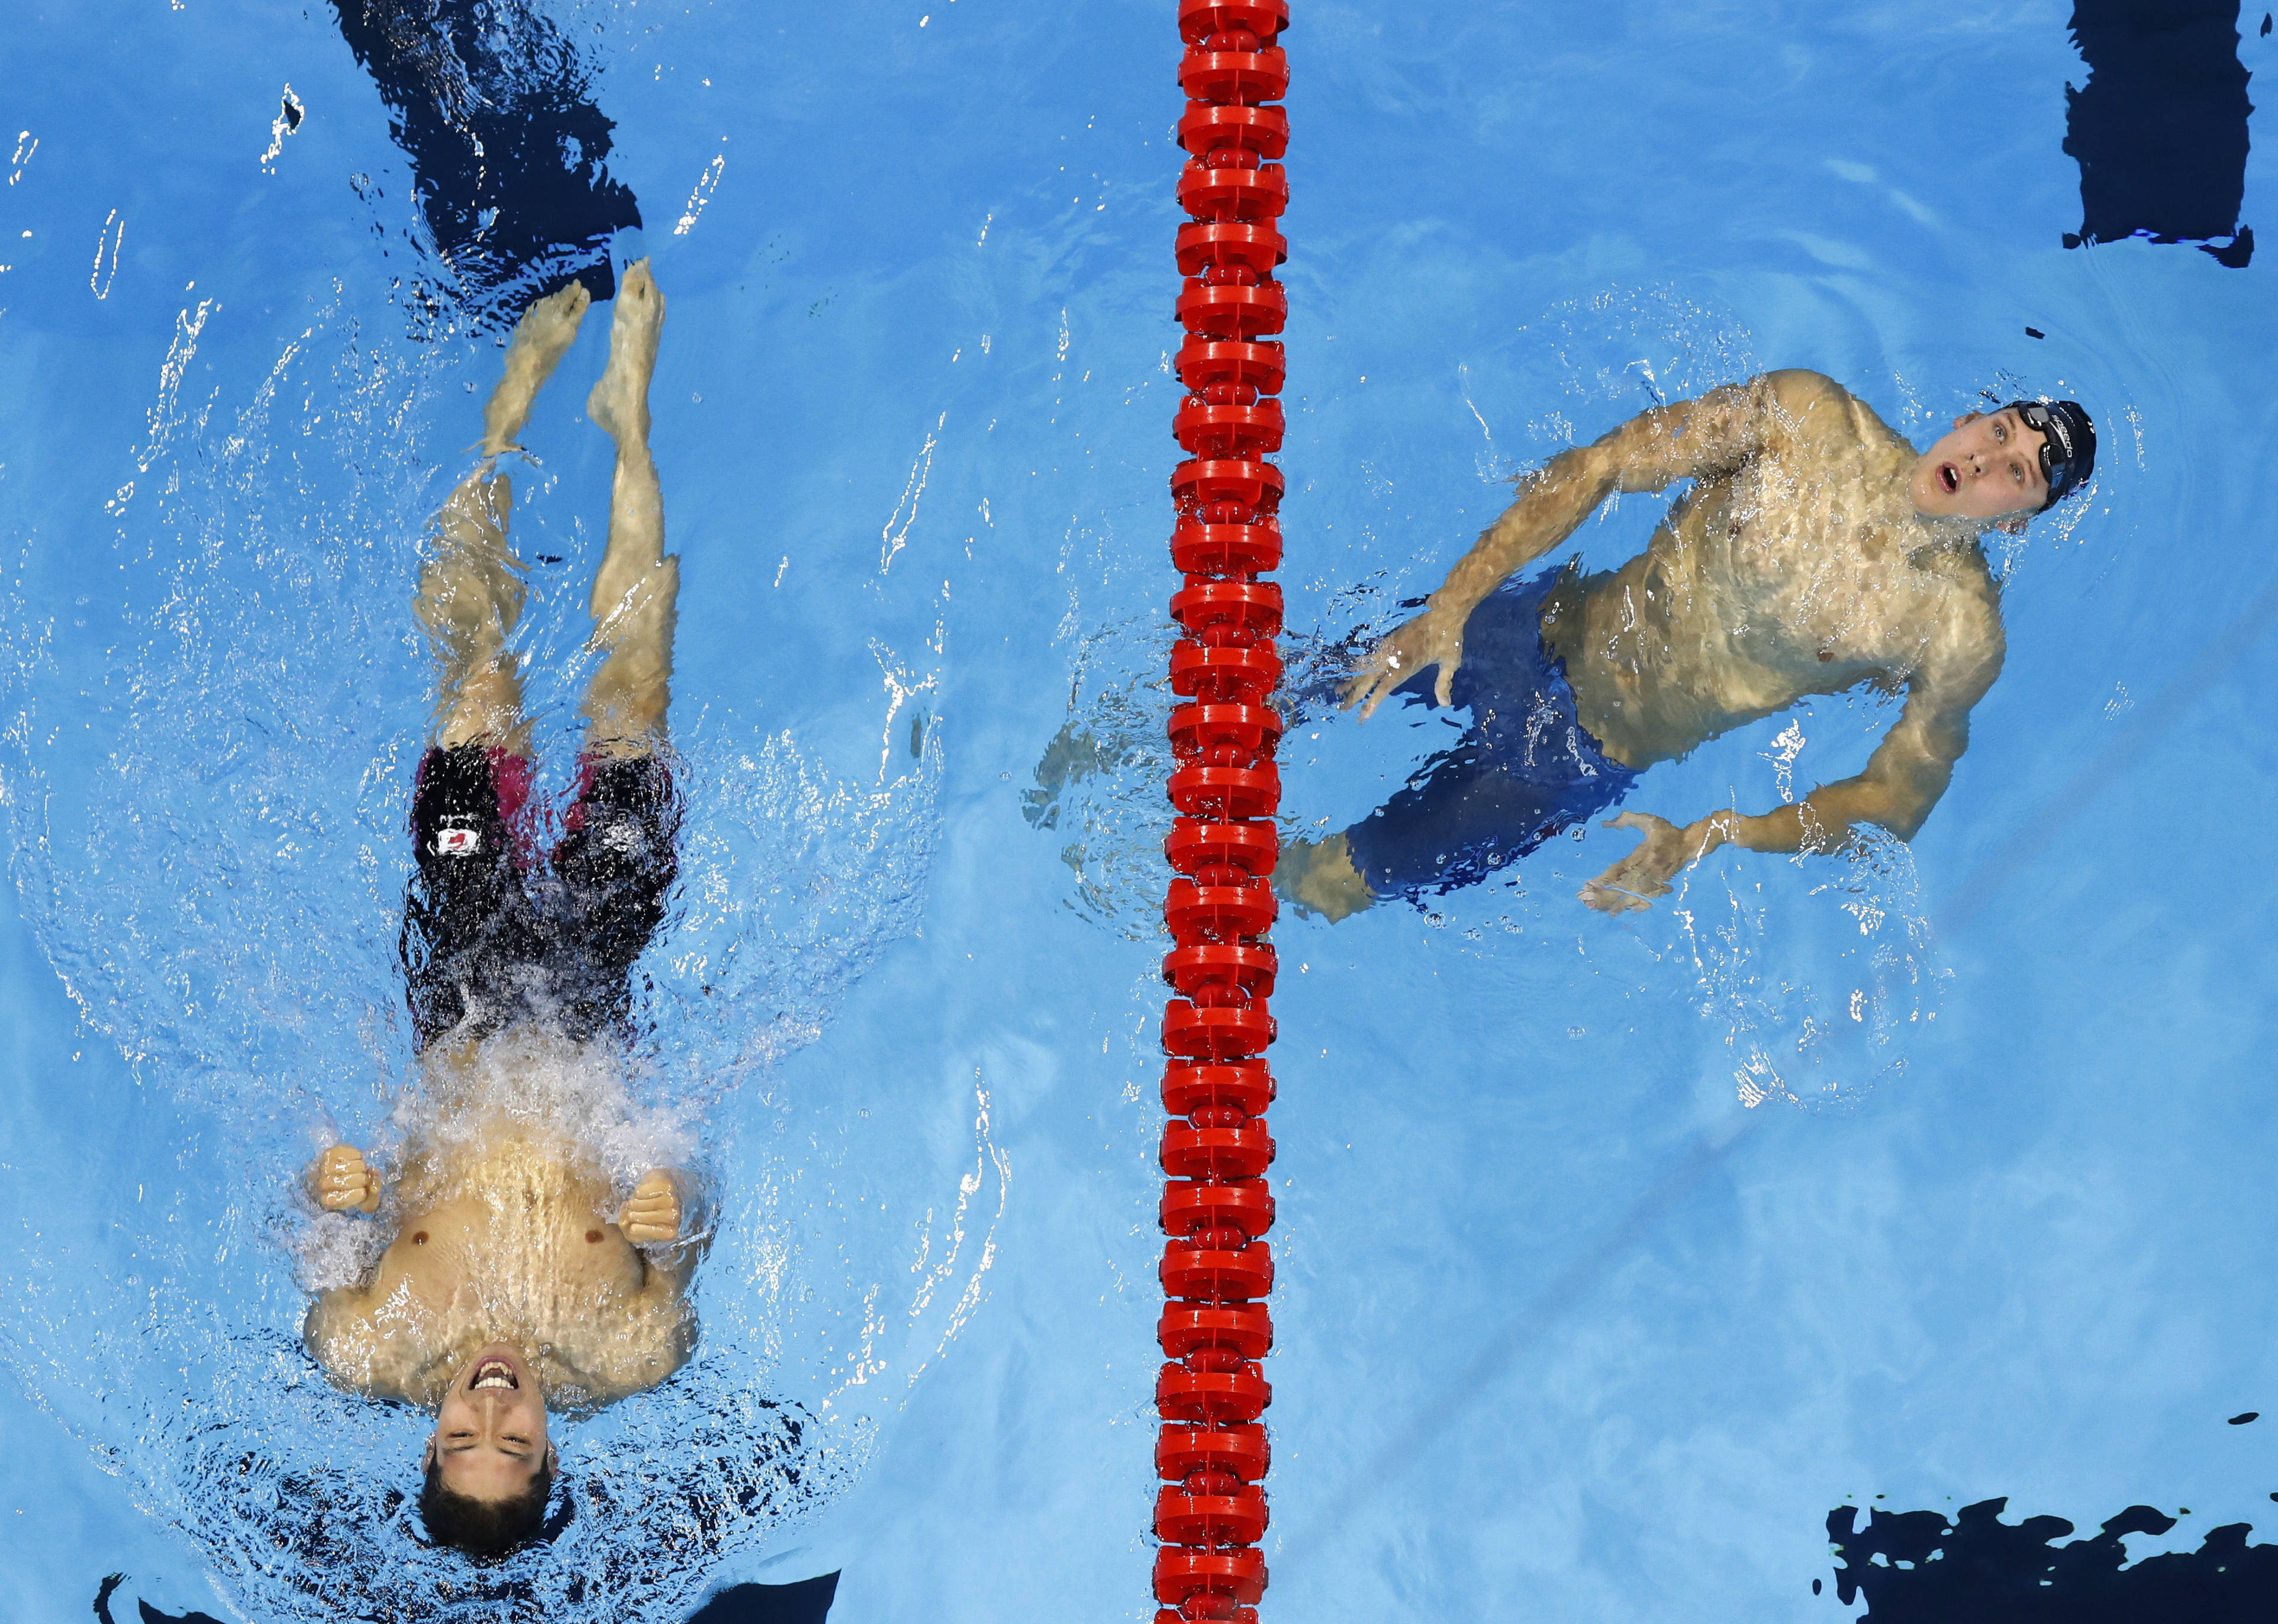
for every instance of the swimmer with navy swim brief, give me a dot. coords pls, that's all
(1816, 551)
(1525, 769)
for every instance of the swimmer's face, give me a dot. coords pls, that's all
(1988, 468)
(490, 1436)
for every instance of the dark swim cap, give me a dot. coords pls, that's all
(2067, 444)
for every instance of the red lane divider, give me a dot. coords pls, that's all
(1217, 1268)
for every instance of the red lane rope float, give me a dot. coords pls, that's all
(1216, 1268)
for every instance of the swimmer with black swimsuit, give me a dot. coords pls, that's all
(515, 1278)
(1817, 552)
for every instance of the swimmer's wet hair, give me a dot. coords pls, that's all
(487, 1530)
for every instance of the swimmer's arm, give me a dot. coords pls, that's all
(666, 1272)
(658, 1329)
(1903, 780)
(1686, 439)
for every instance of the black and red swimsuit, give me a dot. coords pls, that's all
(491, 935)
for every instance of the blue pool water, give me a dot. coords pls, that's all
(1614, 1254)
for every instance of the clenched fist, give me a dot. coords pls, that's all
(654, 1213)
(340, 1181)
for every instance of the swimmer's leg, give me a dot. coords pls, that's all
(1319, 877)
(1523, 771)
(635, 589)
(541, 338)
(1469, 817)
(471, 589)
(470, 595)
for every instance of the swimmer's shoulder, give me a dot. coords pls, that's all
(384, 1341)
(1816, 416)
(1974, 593)
(1811, 406)
(658, 1336)
(333, 1314)
(339, 1335)
(640, 1340)
(1799, 386)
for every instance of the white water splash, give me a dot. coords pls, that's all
(108, 240)
(289, 115)
(896, 533)
(706, 185)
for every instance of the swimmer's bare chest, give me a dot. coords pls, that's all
(469, 1242)
(503, 1263)
(1800, 575)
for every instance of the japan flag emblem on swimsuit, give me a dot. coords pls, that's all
(458, 842)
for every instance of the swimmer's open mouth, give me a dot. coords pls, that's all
(494, 1373)
(1949, 478)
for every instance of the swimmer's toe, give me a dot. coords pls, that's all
(566, 303)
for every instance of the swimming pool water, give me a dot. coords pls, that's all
(1614, 1254)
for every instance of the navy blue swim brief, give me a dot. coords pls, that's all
(1524, 770)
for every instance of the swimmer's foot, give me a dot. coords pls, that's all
(1319, 878)
(619, 403)
(542, 338)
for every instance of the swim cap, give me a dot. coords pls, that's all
(2067, 444)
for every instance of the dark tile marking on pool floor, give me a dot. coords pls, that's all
(2159, 129)
(1980, 1570)
(493, 107)
(806, 1602)
(150, 1615)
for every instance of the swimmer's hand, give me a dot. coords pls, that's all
(1645, 872)
(654, 1213)
(1433, 638)
(340, 1181)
